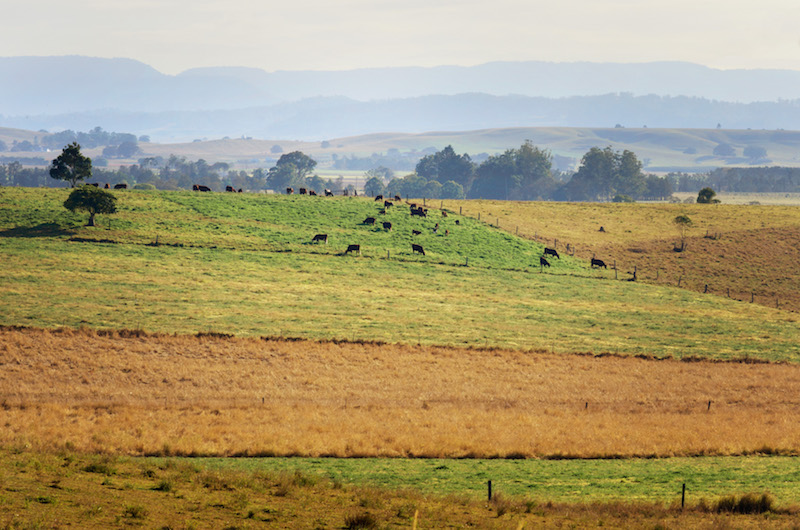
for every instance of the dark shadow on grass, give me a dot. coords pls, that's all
(40, 230)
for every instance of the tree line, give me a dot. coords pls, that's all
(523, 173)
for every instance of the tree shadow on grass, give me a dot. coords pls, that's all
(40, 230)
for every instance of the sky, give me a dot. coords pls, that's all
(176, 35)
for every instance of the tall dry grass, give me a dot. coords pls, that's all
(119, 392)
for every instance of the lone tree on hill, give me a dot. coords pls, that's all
(71, 165)
(91, 199)
(683, 223)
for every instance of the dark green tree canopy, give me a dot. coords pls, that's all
(71, 165)
(706, 196)
(290, 170)
(447, 165)
(521, 174)
(605, 173)
(91, 199)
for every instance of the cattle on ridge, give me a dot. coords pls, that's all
(312, 193)
(121, 186)
(328, 193)
(289, 191)
(551, 252)
(368, 221)
(598, 263)
(378, 198)
(302, 191)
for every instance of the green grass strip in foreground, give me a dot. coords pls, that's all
(646, 480)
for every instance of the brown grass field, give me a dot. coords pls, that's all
(747, 252)
(138, 394)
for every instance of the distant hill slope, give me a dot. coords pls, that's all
(661, 150)
(73, 92)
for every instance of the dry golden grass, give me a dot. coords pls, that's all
(751, 251)
(117, 392)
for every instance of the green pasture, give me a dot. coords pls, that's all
(244, 264)
(629, 480)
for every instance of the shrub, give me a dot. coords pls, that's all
(749, 503)
(360, 520)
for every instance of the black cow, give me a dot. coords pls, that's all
(230, 189)
(199, 187)
(289, 191)
(312, 193)
(106, 186)
(458, 222)
(398, 198)
(95, 184)
(320, 237)
(417, 248)
(302, 191)
(353, 248)
(240, 190)
(551, 252)
(415, 232)
(419, 212)
(598, 263)
(444, 214)
(328, 193)
(379, 197)
(368, 221)
(386, 204)
(387, 225)
(121, 186)
(543, 262)
(345, 192)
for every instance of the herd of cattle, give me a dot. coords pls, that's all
(415, 211)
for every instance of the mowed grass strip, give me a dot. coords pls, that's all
(130, 393)
(86, 491)
(244, 264)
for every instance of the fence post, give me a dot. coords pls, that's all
(490, 490)
(615, 269)
(679, 280)
(705, 290)
(683, 496)
(459, 210)
(479, 216)
(752, 296)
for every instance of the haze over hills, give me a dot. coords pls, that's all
(79, 93)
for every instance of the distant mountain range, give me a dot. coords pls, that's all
(79, 93)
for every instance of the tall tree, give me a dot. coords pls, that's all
(604, 173)
(71, 165)
(446, 165)
(522, 174)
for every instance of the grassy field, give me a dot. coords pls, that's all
(68, 489)
(244, 264)
(742, 252)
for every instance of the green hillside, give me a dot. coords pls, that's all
(244, 264)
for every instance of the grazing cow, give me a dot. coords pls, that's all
(353, 248)
(543, 262)
(444, 214)
(229, 189)
(289, 191)
(320, 237)
(417, 248)
(382, 212)
(551, 252)
(387, 225)
(458, 222)
(121, 186)
(302, 191)
(598, 263)
(413, 205)
(240, 190)
(415, 232)
(447, 232)
(328, 193)
(378, 198)
(419, 212)
(312, 193)
(199, 187)
(106, 186)
(368, 221)
(398, 198)
(95, 184)
(386, 204)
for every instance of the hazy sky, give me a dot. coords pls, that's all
(174, 35)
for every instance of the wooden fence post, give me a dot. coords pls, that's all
(490, 490)
(683, 496)
(615, 269)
